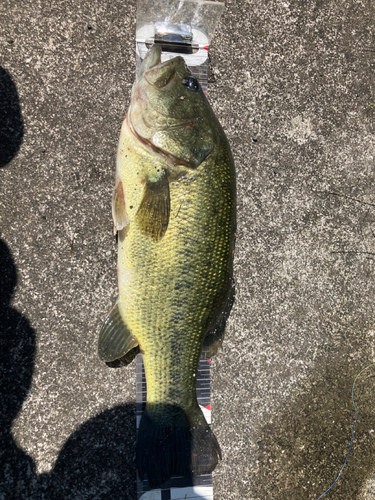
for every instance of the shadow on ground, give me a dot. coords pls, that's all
(302, 449)
(97, 461)
(11, 123)
(17, 348)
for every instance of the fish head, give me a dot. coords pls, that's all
(169, 112)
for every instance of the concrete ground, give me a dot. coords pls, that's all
(296, 75)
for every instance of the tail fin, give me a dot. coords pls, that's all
(172, 442)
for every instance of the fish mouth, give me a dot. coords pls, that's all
(153, 58)
(162, 74)
(157, 73)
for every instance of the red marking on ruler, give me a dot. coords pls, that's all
(208, 361)
(205, 47)
(208, 407)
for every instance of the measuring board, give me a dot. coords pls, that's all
(177, 487)
(182, 28)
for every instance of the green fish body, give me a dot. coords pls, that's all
(174, 211)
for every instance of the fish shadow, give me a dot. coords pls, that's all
(98, 459)
(11, 122)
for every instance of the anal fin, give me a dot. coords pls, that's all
(115, 338)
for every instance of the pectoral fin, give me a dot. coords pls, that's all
(115, 338)
(120, 217)
(153, 212)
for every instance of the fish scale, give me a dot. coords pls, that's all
(182, 252)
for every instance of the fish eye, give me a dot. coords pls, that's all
(191, 83)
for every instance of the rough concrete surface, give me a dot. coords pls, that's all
(297, 76)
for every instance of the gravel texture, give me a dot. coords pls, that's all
(292, 83)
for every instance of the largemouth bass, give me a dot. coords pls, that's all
(174, 211)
